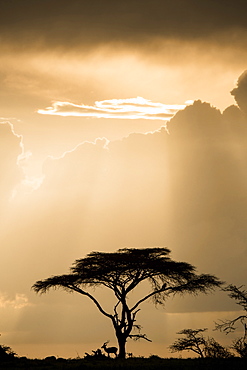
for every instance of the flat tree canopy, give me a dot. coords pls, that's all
(121, 272)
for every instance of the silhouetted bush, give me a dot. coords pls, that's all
(151, 363)
(6, 353)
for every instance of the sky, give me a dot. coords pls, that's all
(122, 124)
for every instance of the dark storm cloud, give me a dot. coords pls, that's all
(63, 22)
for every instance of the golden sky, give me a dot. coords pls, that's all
(122, 124)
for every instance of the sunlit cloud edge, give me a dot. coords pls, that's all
(28, 182)
(132, 108)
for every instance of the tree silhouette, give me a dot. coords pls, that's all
(6, 353)
(214, 349)
(228, 326)
(122, 272)
(195, 341)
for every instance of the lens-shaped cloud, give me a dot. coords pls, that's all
(133, 108)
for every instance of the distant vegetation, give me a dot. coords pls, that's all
(151, 363)
(194, 340)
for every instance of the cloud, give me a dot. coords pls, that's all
(18, 302)
(60, 23)
(11, 151)
(240, 92)
(181, 190)
(8, 119)
(14, 162)
(133, 108)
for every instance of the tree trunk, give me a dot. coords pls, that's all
(121, 345)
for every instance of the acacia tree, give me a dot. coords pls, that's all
(229, 326)
(195, 341)
(122, 272)
(215, 350)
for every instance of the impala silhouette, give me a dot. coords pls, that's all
(109, 350)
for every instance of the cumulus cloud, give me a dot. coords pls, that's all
(240, 92)
(182, 190)
(133, 108)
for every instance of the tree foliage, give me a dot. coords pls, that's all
(195, 341)
(240, 347)
(121, 272)
(6, 352)
(229, 326)
(214, 349)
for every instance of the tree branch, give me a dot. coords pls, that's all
(228, 325)
(116, 313)
(139, 336)
(83, 292)
(148, 296)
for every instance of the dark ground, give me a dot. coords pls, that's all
(131, 363)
